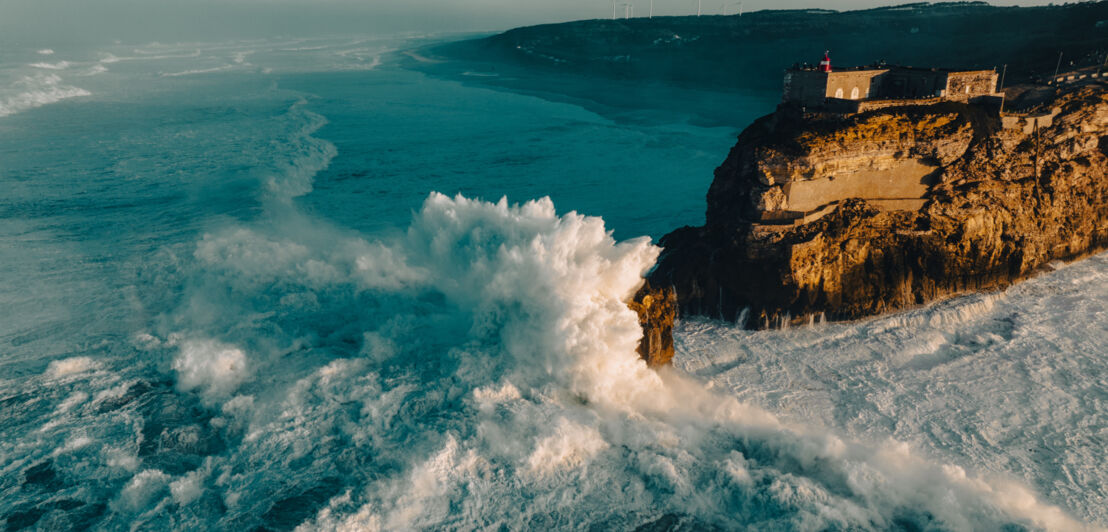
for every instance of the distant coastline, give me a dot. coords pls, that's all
(736, 54)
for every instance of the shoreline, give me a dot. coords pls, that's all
(628, 100)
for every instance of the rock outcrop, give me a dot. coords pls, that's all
(826, 216)
(657, 309)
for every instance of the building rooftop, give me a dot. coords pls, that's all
(802, 67)
(940, 69)
(807, 67)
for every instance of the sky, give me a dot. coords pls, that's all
(182, 20)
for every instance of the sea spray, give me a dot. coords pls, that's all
(503, 370)
(476, 370)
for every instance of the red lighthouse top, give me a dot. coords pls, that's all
(825, 65)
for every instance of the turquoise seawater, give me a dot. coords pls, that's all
(261, 285)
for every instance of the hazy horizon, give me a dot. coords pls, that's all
(52, 21)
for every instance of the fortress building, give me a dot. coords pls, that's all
(858, 89)
(895, 160)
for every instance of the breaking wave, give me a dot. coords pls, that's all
(60, 65)
(362, 58)
(36, 91)
(303, 156)
(196, 71)
(95, 70)
(478, 369)
(240, 57)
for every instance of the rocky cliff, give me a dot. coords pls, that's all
(988, 200)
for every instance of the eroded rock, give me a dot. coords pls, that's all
(657, 309)
(995, 205)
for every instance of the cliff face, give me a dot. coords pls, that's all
(838, 217)
(790, 163)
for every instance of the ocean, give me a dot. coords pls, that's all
(296, 284)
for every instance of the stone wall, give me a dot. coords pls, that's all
(873, 105)
(806, 87)
(890, 180)
(854, 84)
(914, 83)
(812, 87)
(963, 86)
(1028, 123)
(877, 88)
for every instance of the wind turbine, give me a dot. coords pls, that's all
(651, 8)
(726, 6)
(628, 10)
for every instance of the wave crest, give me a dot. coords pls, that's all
(36, 91)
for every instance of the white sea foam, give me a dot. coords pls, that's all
(60, 65)
(120, 458)
(45, 51)
(214, 368)
(144, 488)
(74, 399)
(1000, 378)
(74, 443)
(240, 57)
(569, 446)
(198, 71)
(190, 487)
(305, 155)
(373, 63)
(70, 366)
(35, 91)
(305, 48)
(361, 58)
(94, 70)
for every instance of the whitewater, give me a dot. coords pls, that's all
(290, 284)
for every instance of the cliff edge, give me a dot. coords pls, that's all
(823, 216)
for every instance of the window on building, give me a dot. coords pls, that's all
(838, 93)
(854, 94)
